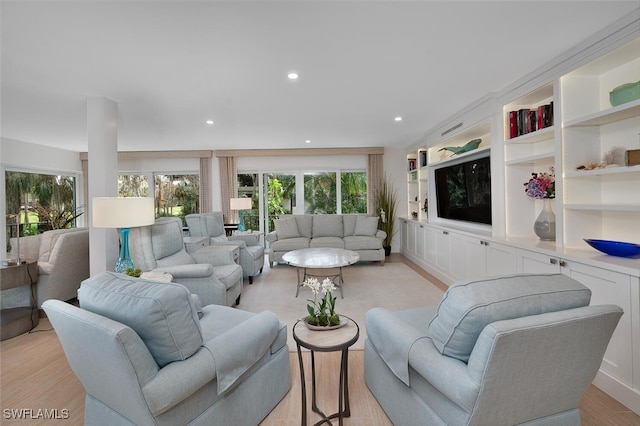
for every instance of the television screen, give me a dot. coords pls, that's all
(463, 191)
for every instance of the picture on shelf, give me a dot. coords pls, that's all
(412, 164)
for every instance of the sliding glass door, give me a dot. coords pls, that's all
(279, 198)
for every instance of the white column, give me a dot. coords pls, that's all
(102, 135)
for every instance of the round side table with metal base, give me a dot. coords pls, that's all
(339, 339)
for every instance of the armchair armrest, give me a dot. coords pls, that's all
(194, 270)
(393, 338)
(238, 349)
(381, 234)
(246, 239)
(177, 380)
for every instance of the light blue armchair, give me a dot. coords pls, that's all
(497, 351)
(212, 225)
(211, 274)
(146, 355)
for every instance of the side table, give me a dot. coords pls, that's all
(339, 339)
(23, 317)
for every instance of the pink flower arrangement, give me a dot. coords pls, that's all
(541, 185)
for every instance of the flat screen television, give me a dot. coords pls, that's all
(463, 191)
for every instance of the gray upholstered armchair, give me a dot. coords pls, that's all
(211, 274)
(146, 355)
(497, 351)
(63, 261)
(212, 225)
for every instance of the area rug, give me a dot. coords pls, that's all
(393, 286)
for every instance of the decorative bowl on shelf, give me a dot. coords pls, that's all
(615, 248)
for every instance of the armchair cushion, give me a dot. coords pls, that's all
(468, 306)
(164, 316)
(287, 228)
(366, 225)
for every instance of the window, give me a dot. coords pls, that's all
(323, 192)
(248, 186)
(42, 201)
(320, 193)
(133, 186)
(353, 190)
(176, 195)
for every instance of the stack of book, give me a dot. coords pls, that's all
(526, 120)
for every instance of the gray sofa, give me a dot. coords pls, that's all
(357, 232)
(146, 354)
(506, 350)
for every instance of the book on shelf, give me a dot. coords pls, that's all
(423, 158)
(412, 164)
(527, 120)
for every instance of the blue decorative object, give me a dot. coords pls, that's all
(615, 248)
(124, 261)
(241, 227)
(469, 146)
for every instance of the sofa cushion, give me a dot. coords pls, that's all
(327, 225)
(359, 242)
(286, 228)
(164, 315)
(468, 306)
(290, 244)
(332, 242)
(366, 225)
(305, 222)
(349, 222)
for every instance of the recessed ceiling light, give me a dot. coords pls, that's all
(398, 118)
(307, 141)
(209, 121)
(293, 76)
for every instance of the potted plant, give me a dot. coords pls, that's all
(386, 207)
(321, 314)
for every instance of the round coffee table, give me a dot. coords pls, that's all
(339, 339)
(321, 258)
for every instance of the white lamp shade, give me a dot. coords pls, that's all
(122, 212)
(240, 203)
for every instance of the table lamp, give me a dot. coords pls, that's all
(241, 204)
(123, 213)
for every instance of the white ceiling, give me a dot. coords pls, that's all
(171, 65)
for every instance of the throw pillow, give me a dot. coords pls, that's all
(286, 228)
(468, 306)
(366, 226)
(164, 315)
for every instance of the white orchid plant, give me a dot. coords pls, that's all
(323, 312)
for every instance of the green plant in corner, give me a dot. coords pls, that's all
(386, 204)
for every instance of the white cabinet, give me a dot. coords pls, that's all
(609, 287)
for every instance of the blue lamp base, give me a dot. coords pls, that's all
(241, 227)
(124, 261)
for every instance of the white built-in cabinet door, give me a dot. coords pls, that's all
(537, 263)
(608, 287)
(500, 258)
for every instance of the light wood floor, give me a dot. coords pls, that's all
(34, 374)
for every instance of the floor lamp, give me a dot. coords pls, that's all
(241, 204)
(123, 213)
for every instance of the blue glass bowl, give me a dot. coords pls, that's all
(615, 248)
